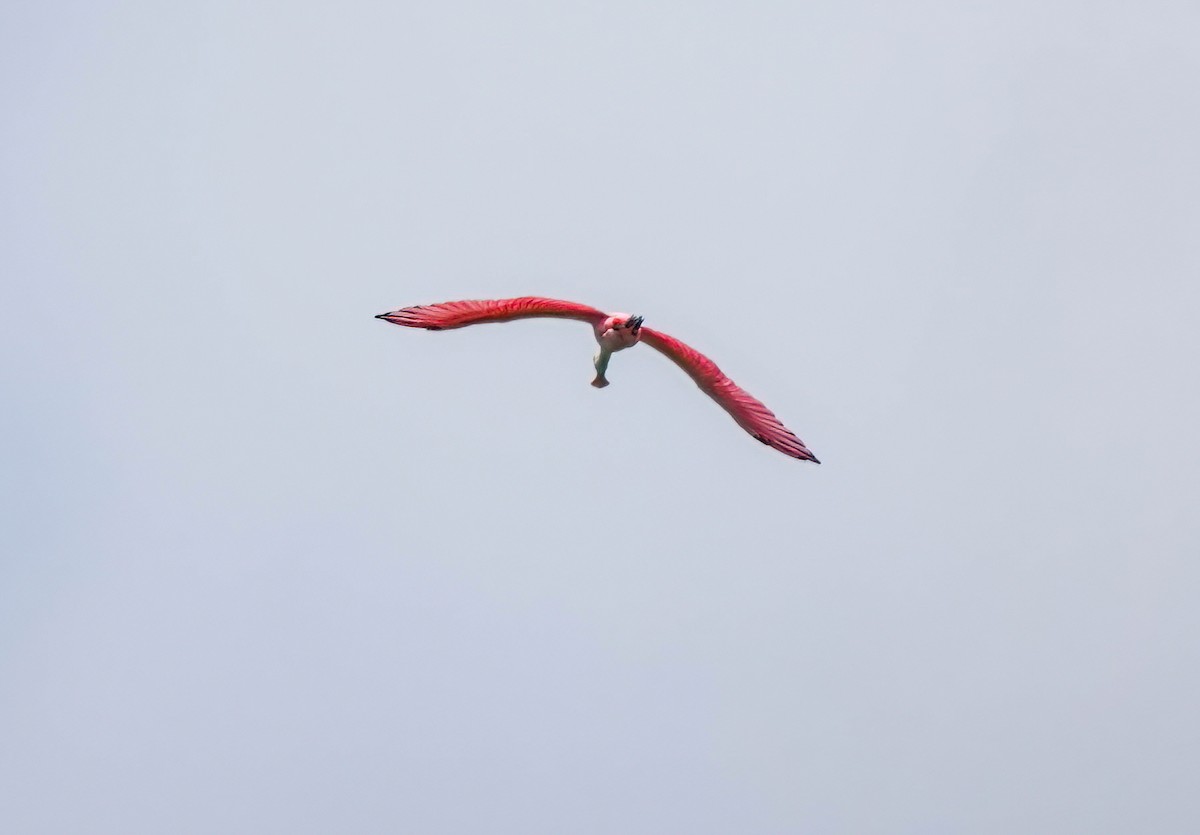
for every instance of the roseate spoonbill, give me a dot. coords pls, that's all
(614, 332)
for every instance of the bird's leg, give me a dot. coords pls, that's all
(601, 363)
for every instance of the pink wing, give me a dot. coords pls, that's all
(447, 315)
(749, 413)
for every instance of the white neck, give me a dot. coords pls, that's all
(601, 362)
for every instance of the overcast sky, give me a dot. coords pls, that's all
(270, 565)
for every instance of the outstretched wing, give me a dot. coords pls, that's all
(447, 315)
(749, 413)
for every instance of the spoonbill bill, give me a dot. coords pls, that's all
(614, 332)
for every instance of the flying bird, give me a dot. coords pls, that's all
(614, 332)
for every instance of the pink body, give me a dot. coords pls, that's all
(613, 336)
(616, 332)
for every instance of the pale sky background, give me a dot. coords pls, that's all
(272, 566)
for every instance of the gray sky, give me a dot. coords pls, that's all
(269, 565)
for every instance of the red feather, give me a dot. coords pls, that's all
(447, 315)
(748, 411)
